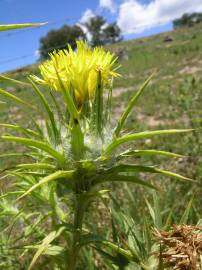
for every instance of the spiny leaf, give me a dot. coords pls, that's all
(6, 78)
(38, 144)
(68, 99)
(36, 166)
(97, 112)
(113, 177)
(148, 152)
(25, 131)
(52, 250)
(172, 174)
(52, 177)
(93, 238)
(47, 108)
(14, 98)
(7, 155)
(125, 168)
(130, 106)
(141, 135)
(44, 245)
(7, 27)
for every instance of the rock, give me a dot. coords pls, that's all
(122, 54)
(168, 39)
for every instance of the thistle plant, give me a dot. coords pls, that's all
(71, 151)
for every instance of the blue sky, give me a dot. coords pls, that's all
(18, 48)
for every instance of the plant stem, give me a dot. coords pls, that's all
(80, 206)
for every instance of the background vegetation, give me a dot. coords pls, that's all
(96, 31)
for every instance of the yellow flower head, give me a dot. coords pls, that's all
(78, 70)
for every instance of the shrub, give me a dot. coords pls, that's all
(58, 39)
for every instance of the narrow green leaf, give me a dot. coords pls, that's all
(151, 211)
(108, 107)
(168, 221)
(22, 174)
(47, 108)
(52, 250)
(185, 216)
(37, 144)
(37, 166)
(92, 238)
(141, 135)
(52, 177)
(113, 177)
(25, 131)
(44, 245)
(114, 259)
(7, 27)
(130, 106)
(58, 108)
(77, 141)
(148, 153)
(172, 174)
(126, 253)
(68, 99)
(7, 155)
(125, 168)
(4, 77)
(157, 210)
(14, 98)
(12, 193)
(97, 108)
(77, 138)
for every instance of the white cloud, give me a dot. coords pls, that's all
(108, 4)
(37, 53)
(135, 17)
(87, 15)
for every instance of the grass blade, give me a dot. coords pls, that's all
(185, 216)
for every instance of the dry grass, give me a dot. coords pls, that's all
(181, 247)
